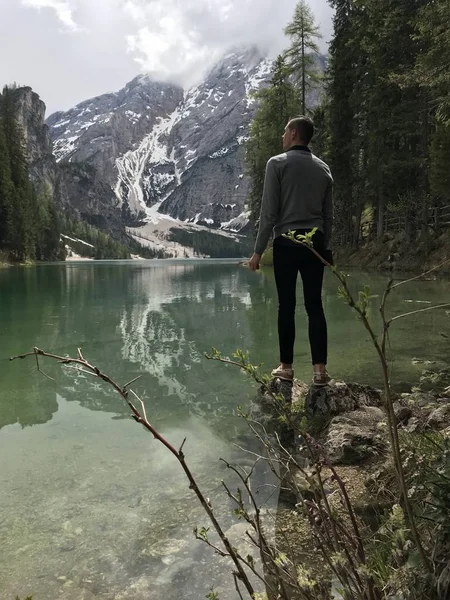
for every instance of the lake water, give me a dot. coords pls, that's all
(90, 505)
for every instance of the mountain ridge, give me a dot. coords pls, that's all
(169, 153)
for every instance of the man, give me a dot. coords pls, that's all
(298, 195)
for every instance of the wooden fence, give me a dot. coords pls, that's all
(438, 217)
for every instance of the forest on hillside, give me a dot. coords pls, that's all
(383, 121)
(29, 222)
(32, 225)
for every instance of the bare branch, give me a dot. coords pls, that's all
(132, 381)
(421, 310)
(81, 370)
(141, 403)
(447, 261)
(236, 585)
(215, 548)
(22, 356)
(141, 418)
(226, 361)
(40, 370)
(180, 451)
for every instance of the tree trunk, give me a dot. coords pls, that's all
(303, 74)
(357, 226)
(436, 218)
(380, 215)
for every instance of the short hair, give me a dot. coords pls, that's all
(304, 127)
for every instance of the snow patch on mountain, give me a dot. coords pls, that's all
(167, 155)
(152, 151)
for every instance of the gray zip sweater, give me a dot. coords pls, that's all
(298, 194)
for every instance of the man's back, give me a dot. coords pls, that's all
(304, 183)
(297, 195)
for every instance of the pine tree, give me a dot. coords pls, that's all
(47, 226)
(301, 56)
(439, 163)
(341, 119)
(277, 104)
(432, 65)
(20, 229)
(379, 125)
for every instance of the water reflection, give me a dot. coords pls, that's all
(180, 314)
(157, 319)
(91, 507)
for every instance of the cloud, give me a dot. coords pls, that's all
(100, 45)
(62, 8)
(181, 40)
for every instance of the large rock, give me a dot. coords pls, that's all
(30, 115)
(419, 411)
(357, 436)
(440, 417)
(323, 403)
(345, 417)
(76, 187)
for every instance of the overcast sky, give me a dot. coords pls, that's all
(71, 50)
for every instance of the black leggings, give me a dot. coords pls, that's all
(288, 260)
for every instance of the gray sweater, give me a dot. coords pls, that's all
(298, 194)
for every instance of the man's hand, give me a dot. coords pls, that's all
(253, 263)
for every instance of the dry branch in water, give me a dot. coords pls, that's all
(140, 416)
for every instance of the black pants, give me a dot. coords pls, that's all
(289, 259)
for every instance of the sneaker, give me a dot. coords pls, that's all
(322, 379)
(285, 374)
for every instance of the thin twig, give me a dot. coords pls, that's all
(41, 371)
(422, 274)
(81, 370)
(141, 403)
(132, 381)
(215, 548)
(421, 310)
(180, 451)
(236, 585)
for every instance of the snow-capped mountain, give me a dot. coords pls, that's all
(155, 151)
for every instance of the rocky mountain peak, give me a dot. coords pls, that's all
(168, 153)
(30, 115)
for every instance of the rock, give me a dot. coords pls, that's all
(402, 413)
(346, 418)
(357, 436)
(169, 547)
(265, 412)
(294, 392)
(414, 425)
(323, 403)
(440, 417)
(418, 399)
(435, 380)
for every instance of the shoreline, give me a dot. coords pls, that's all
(392, 254)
